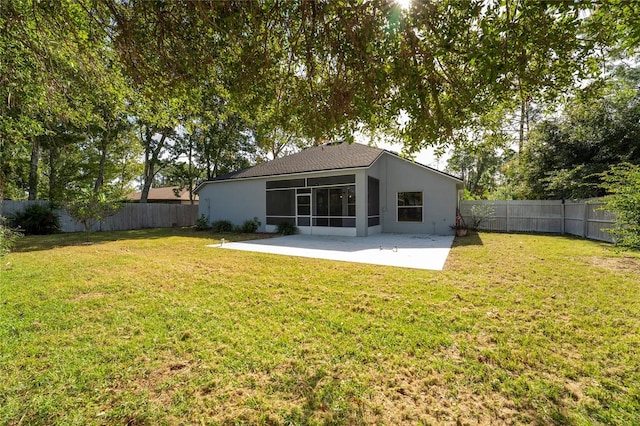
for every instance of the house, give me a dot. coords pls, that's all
(336, 189)
(165, 195)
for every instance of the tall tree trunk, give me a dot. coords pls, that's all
(103, 161)
(148, 171)
(476, 180)
(190, 170)
(3, 180)
(207, 156)
(523, 120)
(215, 162)
(33, 168)
(151, 159)
(53, 159)
(4, 171)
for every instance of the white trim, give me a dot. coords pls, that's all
(373, 230)
(320, 230)
(431, 169)
(328, 230)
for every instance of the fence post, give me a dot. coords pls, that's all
(564, 215)
(508, 208)
(585, 223)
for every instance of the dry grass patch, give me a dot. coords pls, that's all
(626, 264)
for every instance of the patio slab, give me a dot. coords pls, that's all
(402, 250)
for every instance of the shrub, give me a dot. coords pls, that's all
(622, 183)
(37, 219)
(8, 237)
(222, 226)
(480, 214)
(286, 228)
(202, 224)
(89, 208)
(250, 226)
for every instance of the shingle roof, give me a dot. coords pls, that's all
(315, 159)
(320, 158)
(165, 193)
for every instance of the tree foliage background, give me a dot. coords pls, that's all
(195, 89)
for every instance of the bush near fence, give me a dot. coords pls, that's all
(130, 216)
(583, 218)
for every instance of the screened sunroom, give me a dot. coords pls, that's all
(321, 202)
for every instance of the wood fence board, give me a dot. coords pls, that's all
(130, 216)
(584, 218)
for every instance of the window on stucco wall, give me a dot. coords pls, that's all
(410, 206)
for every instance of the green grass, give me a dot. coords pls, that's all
(152, 327)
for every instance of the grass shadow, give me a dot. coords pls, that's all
(471, 239)
(33, 243)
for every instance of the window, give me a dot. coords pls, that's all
(290, 183)
(304, 208)
(331, 180)
(409, 206)
(321, 205)
(281, 206)
(334, 206)
(373, 202)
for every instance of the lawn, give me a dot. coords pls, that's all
(152, 327)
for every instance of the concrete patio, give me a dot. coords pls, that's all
(401, 250)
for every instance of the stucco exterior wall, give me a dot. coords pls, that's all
(235, 201)
(439, 196)
(361, 203)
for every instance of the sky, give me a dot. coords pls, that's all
(426, 156)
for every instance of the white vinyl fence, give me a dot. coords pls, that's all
(130, 216)
(582, 218)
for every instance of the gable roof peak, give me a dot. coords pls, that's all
(328, 156)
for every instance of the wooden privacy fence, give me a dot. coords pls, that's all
(130, 216)
(582, 218)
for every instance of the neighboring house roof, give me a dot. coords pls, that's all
(334, 156)
(162, 194)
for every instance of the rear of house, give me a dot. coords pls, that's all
(336, 189)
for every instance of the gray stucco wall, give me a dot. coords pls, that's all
(439, 196)
(361, 203)
(235, 201)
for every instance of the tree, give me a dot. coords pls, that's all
(276, 137)
(88, 207)
(157, 121)
(597, 130)
(479, 155)
(622, 184)
(225, 146)
(299, 72)
(337, 65)
(56, 69)
(24, 79)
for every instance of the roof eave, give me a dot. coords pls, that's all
(280, 175)
(455, 178)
